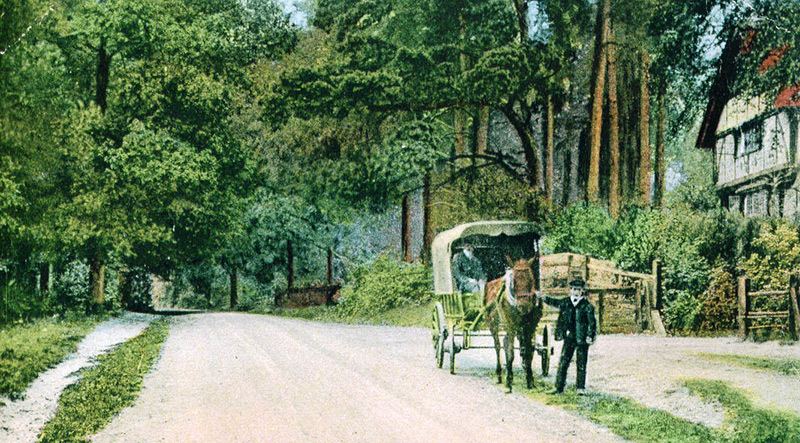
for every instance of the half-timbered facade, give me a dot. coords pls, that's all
(756, 157)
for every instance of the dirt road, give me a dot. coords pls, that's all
(238, 377)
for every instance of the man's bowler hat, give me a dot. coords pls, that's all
(577, 283)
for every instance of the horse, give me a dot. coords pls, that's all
(512, 302)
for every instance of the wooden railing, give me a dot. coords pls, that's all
(787, 320)
(605, 283)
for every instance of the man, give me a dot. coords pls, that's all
(576, 325)
(468, 271)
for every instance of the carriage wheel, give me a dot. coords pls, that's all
(451, 344)
(545, 352)
(438, 332)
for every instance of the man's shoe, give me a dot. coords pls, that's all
(555, 391)
(581, 391)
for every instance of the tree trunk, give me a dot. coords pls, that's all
(44, 277)
(102, 76)
(644, 131)
(482, 139)
(521, 127)
(549, 149)
(97, 271)
(613, 113)
(289, 265)
(660, 176)
(329, 275)
(427, 229)
(234, 288)
(596, 117)
(460, 115)
(521, 7)
(405, 231)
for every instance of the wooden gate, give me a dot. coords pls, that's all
(625, 301)
(775, 310)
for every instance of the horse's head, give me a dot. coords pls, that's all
(524, 284)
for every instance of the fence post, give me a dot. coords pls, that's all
(330, 267)
(794, 282)
(638, 300)
(600, 308)
(744, 305)
(656, 295)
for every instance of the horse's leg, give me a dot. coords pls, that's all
(508, 343)
(526, 349)
(494, 327)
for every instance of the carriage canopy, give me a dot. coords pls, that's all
(492, 240)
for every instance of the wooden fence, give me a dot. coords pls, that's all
(625, 301)
(781, 313)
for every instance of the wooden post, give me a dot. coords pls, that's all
(638, 297)
(289, 265)
(234, 287)
(586, 266)
(794, 282)
(656, 295)
(600, 309)
(405, 233)
(744, 305)
(330, 267)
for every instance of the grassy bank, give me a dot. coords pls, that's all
(105, 389)
(29, 349)
(622, 416)
(745, 422)
(784, 365)
(412, 315)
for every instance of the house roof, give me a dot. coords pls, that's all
(720, 95)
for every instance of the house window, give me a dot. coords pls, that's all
(755, 203)
(753, 134)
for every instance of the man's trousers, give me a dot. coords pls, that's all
(566, 358)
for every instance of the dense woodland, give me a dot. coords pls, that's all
(209, 142)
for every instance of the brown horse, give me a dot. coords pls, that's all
(512, 302)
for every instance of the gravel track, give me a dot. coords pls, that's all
(22, 420)
(239, 377)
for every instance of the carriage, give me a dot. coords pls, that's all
(457, 318)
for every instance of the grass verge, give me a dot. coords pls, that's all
(29, 349)
(744, 421)
(105, 389)
(411, 315)
(622, 416)
(786, 366)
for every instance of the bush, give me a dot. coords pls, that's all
(385, 285)
(136, 290)
(719, 304)
(583, 229)
(775, 253)
(71, 286)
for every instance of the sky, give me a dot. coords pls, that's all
(298, 17)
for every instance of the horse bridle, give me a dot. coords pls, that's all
(524, 296)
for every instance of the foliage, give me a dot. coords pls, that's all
(583, 229)
(104, 390)
(747, 422)
(682, 311)
(719, 303)
(136, 291)
(775, 253)
(27, 350)
(71, 286)
(18, 304)
(385, 285)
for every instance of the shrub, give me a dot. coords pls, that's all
(681, 312)
(136, 290)
(71, 286)
(583, 229)
(385, 285)
(775, 253)
(718, 304)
